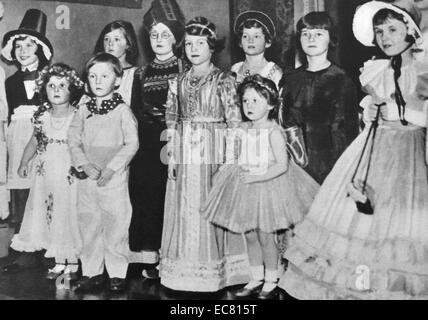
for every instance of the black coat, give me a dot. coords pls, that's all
(16, 94)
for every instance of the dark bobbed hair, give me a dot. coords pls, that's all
(216, 45)
(43, 62)
(317, 20)
(130, 36)
(384, 15)
(254, 24)
(61, 70)
(266, 88)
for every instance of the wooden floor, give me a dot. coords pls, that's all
(32, 285)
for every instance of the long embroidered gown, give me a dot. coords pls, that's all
(192, 256)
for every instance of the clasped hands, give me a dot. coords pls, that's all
(102, 176)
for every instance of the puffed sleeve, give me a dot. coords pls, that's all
(276, 74)
(74, 136)
(172, 117)
(229, 100)
(172, 112)
(130, 141)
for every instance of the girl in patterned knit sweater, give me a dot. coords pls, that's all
(148, 175)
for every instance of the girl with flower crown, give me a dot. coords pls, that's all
(50, 219)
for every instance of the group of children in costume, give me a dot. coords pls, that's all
(195, 172)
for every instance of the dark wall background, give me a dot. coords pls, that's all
(75, 46)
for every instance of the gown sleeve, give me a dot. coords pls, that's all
(229, 100)
(172, 117)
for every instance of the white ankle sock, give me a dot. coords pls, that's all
(271, 275)
(269, 286)
(271, 280)
(257, 273)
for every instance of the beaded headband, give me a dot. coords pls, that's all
(198, 25)
(58, 71)
(261, 84)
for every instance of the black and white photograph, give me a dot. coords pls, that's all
(229, 151)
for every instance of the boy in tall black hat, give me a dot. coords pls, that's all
(30, 50)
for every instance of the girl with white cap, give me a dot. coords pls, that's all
(30, 50)
(365, 234)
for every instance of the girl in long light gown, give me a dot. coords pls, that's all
(201, 105)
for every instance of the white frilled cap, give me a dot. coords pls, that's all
(362, 25)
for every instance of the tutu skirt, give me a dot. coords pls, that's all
(268, 206)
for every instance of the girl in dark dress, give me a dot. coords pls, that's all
(148, 175)
(319, 97)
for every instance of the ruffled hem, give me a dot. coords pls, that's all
(184, 275)
(268, 206)
(23, 246)
(302, 287)
(337, 264)
(52, 251)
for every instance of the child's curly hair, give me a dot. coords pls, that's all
(266, 88)
(60, 70)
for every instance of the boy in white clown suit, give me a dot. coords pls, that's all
(103, 139)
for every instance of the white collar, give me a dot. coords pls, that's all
(31, 67)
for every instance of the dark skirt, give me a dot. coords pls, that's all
(147, 185)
